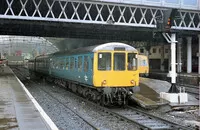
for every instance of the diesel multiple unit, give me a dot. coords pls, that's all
(104, 73)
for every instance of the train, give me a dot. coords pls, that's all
(106, 73)
(143, 65)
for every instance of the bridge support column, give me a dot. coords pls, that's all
(173, 59)
(162, 67)
(179, 53)
(189, 54)
(199, 55)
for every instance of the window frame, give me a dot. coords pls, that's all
(114, 61)
(105, 65)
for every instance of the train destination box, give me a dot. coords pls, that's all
(175, 97)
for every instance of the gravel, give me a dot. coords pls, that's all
(100, 119)
(64, 118)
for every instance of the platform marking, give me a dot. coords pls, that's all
(39, 108)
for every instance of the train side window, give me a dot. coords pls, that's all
(54, 63)
(132, 61)
(67, 63)
(75, 62)
(61, 63)
(71, 63)
(119, 61)
(104, 61)
(79, 63)
(144, 63)
(86, 63)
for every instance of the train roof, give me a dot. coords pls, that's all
(106, 47)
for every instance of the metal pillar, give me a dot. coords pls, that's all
(162, 67)
(189, 54)
(172, 73)
(179, 53)
(199, 54)
(173, 58)
(169, 59)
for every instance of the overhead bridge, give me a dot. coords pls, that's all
(121, 12)
(48, 17)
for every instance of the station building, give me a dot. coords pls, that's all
(186, 54)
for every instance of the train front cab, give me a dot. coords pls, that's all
(115, 69)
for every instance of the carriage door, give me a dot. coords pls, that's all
(87, 70)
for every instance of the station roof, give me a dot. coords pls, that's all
(25, 44)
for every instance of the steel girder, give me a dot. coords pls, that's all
(94, 13)
(187, 20)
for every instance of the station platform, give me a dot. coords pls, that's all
(182, 78)
(151, 89)
(18, 109)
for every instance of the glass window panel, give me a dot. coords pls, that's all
(104, 61)
(71, 63)
(92, 60)
(79, 63)
(154, 0)
(86, 63)
(172, 1)
(62, 63)
(190, 2)
(132, 61)
(119, 61)
(76, 63)
(67, 63)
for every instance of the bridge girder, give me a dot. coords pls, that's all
(88, 19)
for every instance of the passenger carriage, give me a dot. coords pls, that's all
(106, 72)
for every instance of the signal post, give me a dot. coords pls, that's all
(164, 26)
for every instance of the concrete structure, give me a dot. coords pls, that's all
(19, 110)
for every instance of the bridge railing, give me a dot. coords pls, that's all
(181, 4)
(101, 12)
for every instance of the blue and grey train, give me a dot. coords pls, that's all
(105, 73)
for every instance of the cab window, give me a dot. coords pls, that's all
(132, 61)
(104, 61)
(119, 61)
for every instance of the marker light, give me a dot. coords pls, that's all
(132, 81)
(104, 82)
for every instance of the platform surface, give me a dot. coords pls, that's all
(17, 111)
(153, 87)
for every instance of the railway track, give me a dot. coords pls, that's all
(147, 121)
(129, 114)
(140, 118)
(77, 114)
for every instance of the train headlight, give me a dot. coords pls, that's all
(104, 82)
(132, 82)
